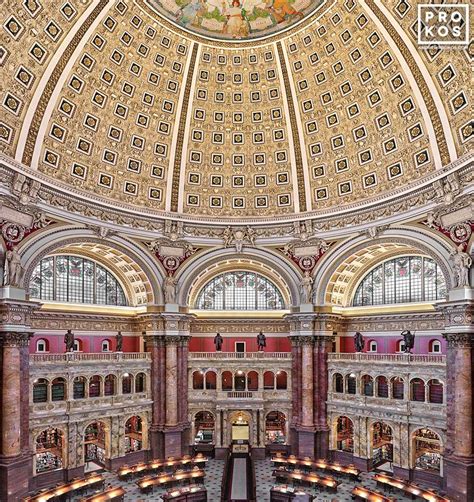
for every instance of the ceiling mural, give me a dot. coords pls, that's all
(236, 19)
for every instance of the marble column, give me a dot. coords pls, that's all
(15, 454)
(459, 450)
(171, 381)
(307, 381)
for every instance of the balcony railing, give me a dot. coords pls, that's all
(385, 358)
(240, 355)
(89, 357)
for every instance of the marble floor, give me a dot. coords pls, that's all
(264, 480)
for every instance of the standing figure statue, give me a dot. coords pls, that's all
(119, 342)
(409, 340)
(261, 342)
(170, 289)
(359, 342)
(462, 262)
(218, 341)
(12, 268)
(69, 341)
(306, 287)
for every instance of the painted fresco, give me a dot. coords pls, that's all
(236, 19)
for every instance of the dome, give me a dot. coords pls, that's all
(292, 109)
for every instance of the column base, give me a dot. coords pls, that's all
(135, 457)
(221, 453)
(305, 442)
(47, 479)
(14, 477)
(322, 445)
(459, 479)
(258, 453)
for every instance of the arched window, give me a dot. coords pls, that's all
(405, 279)
(400, 346)
(79, 388)
(435, 391)
(239, 380)
(198, 380)
(338, 381)
(281, 380)
(77, 347)
(382, 386)
(42, 346)
(398, 391)
(268, 380)
(351, 384)
(95, 383)
(435, 347)
(372, 346)
(367, 385)
(58, 389)
(226, 380)
(40, 390)
(140, 383)
(127, 383)
(211, 380)
(417, 386)
(105, 345)
(109, 385)
(72, 279)
(240, 290)
(252, 380)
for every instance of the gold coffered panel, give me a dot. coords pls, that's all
(110, 99)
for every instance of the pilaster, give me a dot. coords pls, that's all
(15, 334)
(459, 449)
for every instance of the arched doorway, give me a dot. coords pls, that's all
(204, 426)
(49, 454)
(133, 434)
(275, 428)
(94, 446)
(382, 446)
(240, 426)
(427, 451)
(345, 434)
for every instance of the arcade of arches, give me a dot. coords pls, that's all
(247, 225)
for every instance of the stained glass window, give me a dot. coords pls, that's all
(405, 279)
(74, 279)
(240, 290)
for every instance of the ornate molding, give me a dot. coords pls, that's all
(14, 339)
(459, 340)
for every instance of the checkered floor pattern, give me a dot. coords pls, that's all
(264, 480)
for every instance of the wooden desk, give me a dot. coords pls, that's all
(127, 471)
(361, 493)
(147, 484)
(114, 494)
(286, 493)
(310, 478)
(409, 488)
(348, 470)
(62, 491)
(192, 493)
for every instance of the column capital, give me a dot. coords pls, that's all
(459, 340)
(14, 339)
(458, 315)
(15, 315)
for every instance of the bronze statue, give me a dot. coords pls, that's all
(409, 340)
(359, 342)
(218, 341)
(119, 341)
(69, 340)
(261, 341)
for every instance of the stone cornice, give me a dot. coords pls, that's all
(60, 199)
